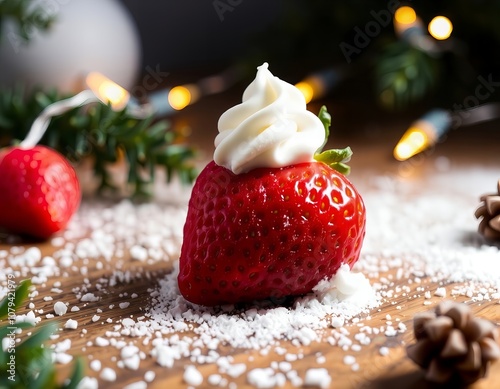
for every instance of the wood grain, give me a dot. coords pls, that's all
(376, 371)
(373, 149)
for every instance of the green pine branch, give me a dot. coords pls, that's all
(404, 75)
(102, 135)
(28, 18)
(29, 364)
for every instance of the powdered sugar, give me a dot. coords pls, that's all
(254, 327)
(319, 378)
(414, 232)
(192, 376)
(432, 231)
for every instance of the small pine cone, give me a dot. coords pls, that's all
(489, 213)
(452, 345)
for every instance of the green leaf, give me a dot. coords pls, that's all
(98, 132)
(5, 330)
(34, 362)
(157, 129)
(336, 159)
(326, 119)
(38, 337)
(14, 299)
(334, 155)
(77, 374)
(46, 377)
(341, 168)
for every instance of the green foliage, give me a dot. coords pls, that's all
(101, 133)
(401, 75)
(30, 361)
(404, 75)
(27, 17)
(326, 119)
(335, 158)
(16, 300)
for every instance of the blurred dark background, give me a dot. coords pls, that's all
(192, 39)
(381, 71)
(191, 34)
(371, 71)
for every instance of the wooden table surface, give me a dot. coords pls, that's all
(372, 145)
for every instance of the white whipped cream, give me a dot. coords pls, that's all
(270, 128)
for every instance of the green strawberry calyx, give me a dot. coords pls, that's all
(335, 158)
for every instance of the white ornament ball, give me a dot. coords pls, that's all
(87, 35)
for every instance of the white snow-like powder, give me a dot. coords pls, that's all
(256, 327)
(192, 376)
(318, 378)
(95, 365)
(108, 374)
(347, 287)
(63, 358)
(265, 378)
(440, 292)
(71, 324)
(149, 376)
(88, 383)
(431, 227)
(415, 230)
(60, 308)
(136, 385)
(139, 253)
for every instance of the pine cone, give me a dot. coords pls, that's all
(452, 345)
(489, 212)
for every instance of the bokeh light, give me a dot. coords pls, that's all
(413, 142)
(440, 27)
(179, 97)
(107, 90)
(306, 89)
(405, 15)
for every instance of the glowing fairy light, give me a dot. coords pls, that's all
(407, 24)
(181, 96)
(317, 84)
(440, 27)
(99, 89)
(422, 134)
(307, 90)
(405, 15)
(108, 91)
(414, 141)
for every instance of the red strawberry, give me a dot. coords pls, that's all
(39, 191)
(271, 232)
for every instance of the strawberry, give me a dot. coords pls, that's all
(39, 191)
(270, 232)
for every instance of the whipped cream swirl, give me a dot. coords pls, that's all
(270, 128)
